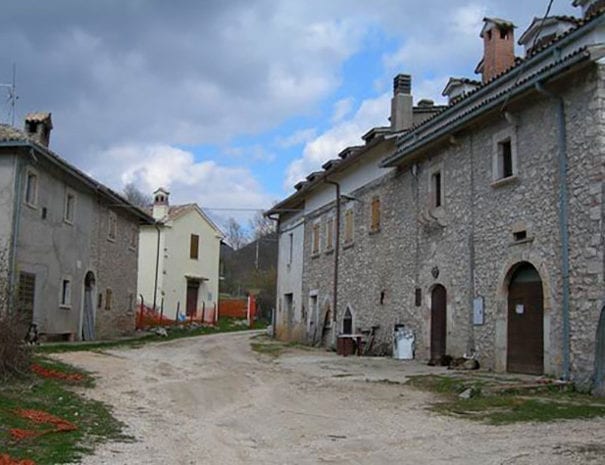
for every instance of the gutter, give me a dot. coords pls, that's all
(563, 219)
(397, 158)
(157, 266)
(336, 248)
(12, 259)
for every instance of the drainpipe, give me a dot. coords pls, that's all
(12, 259)
(563, 220)
(157, 266)
(336, 250)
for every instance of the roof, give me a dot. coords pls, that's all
(503, 84)
(176, 211)
(12, 137)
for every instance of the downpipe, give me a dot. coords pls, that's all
(563, 219)
(336, 253)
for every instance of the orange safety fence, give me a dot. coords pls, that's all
(6, 459)
(147, 317)
(40, 417)
(234, 308)
(50, 373)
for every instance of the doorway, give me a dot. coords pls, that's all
(599, 361)
(193, 288)
(438, 322)
(88, 316)
(525, 339)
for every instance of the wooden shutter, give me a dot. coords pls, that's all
(330, 234)
(348, 226)
(315, 238)
(194, 246)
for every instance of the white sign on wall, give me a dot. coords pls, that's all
(478, 311)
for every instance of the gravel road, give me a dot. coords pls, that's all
(211, 400)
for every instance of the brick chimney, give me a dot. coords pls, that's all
(402, 103)
(38, 126)
(498, 48)
(160, 203)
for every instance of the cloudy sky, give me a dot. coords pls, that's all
(229, 102)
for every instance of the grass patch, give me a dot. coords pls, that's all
(93, 419)
(550, 403)
(224, 325)
(263, 344)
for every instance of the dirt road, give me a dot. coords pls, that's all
(211, 400)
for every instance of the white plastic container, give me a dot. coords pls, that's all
(403, 343)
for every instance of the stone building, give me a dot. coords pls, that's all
(480, 228)
(71, 242)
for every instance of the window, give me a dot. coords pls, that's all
(66, 292)
(108, 298)
(289, 304)
(375, 215)
(348, 226)
(291, 247)
(330, 234)
(70, 207)
(504, 163)
(505, 159)
(315, 239)
(31, 188)
(194, 246)
(436, 189)
(112, 226)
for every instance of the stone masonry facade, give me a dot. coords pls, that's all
(468, 244)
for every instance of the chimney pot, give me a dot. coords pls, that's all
(38, 126)
(402, 84)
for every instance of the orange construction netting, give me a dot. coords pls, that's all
(50, 373)
(6, 459)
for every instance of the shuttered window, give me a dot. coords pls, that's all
(315, 248)
(194, 246)
(348, 226)
(330, 234)
(375, 214)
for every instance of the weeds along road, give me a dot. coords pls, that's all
(212, 400)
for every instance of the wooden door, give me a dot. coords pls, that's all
(525, 350)
(192, 293)
(438, 322)
(88, 315)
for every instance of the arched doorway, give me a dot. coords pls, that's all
(88, 316)
(438, 322)
(525, 344)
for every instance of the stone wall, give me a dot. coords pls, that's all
(116, 273)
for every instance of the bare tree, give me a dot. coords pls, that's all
(261, 226)
(235, 235)
(137, 197)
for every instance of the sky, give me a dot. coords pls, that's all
(230, 103)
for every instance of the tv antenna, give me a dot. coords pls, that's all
(12, 95)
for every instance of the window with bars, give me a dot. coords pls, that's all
(194, 246)
(375, 215)
(66, 293)
(436, 189)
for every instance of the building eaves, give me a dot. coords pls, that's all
(417, 141)
(12, 137)
(346, 157)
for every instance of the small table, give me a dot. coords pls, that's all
(348, 344)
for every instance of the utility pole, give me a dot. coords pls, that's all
(12, 95)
